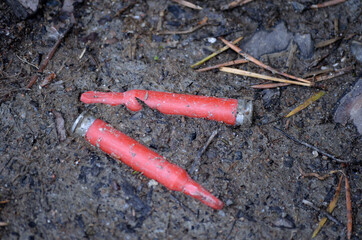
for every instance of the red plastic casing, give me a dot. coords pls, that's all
(212, 108)
(140, 158)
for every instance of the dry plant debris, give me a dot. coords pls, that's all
(349, 208)
(330, 208)
(234, 4)
(230, 63)
(316, 175)
(215, 53)
(3, 224)
(261, 76)
(59, 122)
(188, 4)
(200, 24)
(308, 102)
(270, 85)
(327, 4)
(311, 146)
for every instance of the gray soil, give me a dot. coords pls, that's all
(71, 190)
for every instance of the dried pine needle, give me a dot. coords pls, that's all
(337, 73)
(261, 76)
(230, 63)
(327, 42)
(215, 53)
(309, 101)
(330, 208)
(234, 4)
(270, 85)
(327, 4)
(188, 4)
(261, 64)
(349, 209)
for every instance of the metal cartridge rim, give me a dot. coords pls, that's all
(244, 114)
(82, 123)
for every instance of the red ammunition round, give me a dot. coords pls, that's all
(140, 158)
(230, 111)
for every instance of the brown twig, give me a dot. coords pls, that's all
(317, 72)
(215, 53)
(322, 211)
(45, 62)
(327, 4)
(122, 10)
(197, 162)
(4, 201)
(230, 63)
(349, 208)
(188, 4)
(260, 64)
(337, 73)
(316, 175)
(311, 146)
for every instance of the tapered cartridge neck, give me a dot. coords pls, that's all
(195, 190)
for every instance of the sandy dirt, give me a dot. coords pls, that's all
(71, 190)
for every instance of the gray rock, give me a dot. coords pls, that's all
(298, 7)
(23, 8)
(305, 44)
(351, 107)
(265, 42)
(284, 223)
(356, 49)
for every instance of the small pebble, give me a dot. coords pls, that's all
(211, 40)
(152, 183)
(229, 202)
(315, 154)
(221, 213)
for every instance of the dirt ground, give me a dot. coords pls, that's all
(70, 190)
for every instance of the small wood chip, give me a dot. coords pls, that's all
(59, 122)
(48, 79)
